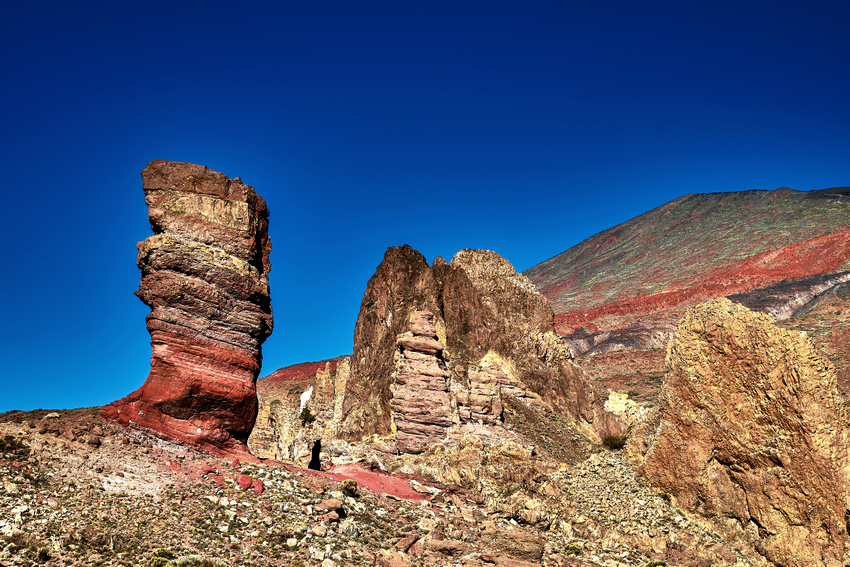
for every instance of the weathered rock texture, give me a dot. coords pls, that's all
(794, 296)
(205, 278)
(752, 435)
(439, 349)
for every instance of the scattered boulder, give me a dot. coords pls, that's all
(244, 481)
(752, 434)
(205, 278)
(334, 504)
(349, 487)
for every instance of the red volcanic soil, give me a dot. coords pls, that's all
(814, 256)
(302, 371)
(374, 481)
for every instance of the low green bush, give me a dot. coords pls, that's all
(307, 416)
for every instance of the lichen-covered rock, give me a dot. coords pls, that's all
(752, 434)
(205, 279)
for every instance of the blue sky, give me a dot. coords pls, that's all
(520, 127)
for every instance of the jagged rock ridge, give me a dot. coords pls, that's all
(205, 278)
(752, 434)
(439, 349)
(440, 353)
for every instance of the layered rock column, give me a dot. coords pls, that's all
(421, 402)
(752, 434)
(205, 279)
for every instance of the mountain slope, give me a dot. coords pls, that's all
(693, 248)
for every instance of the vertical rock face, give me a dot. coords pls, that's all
(205, 279)
(402, 283)
(438, 349)
(753, 435)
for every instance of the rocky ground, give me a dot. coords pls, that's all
(75, 490)
(78, 491)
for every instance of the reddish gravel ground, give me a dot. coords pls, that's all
(375, 481)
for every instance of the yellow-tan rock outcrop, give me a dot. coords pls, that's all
(752, 435)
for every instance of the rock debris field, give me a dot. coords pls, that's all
(78, 491)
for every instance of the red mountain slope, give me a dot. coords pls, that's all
(693, 248)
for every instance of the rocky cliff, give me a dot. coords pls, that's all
(752, 435)
(205, 279)
(298, 407)
(439, 351)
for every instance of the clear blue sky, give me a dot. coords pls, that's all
(520, 127)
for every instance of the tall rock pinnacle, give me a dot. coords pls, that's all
(205, 279)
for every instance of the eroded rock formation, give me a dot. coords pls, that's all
(205, 279)
(438, 350)
(297, 409)
(752, 434)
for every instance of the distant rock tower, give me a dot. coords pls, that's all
(205, 278)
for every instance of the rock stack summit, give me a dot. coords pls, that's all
(205, 279)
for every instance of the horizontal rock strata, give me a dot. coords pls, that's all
(205, 278)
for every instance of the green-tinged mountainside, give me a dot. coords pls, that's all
(693, 248)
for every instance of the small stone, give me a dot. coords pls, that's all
(329, 504)
(319, 530)
(330, 517)
(405, 543)
(292, 543)
(257, 486)
(244, 481)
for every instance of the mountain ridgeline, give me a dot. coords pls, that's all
(626, 286)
